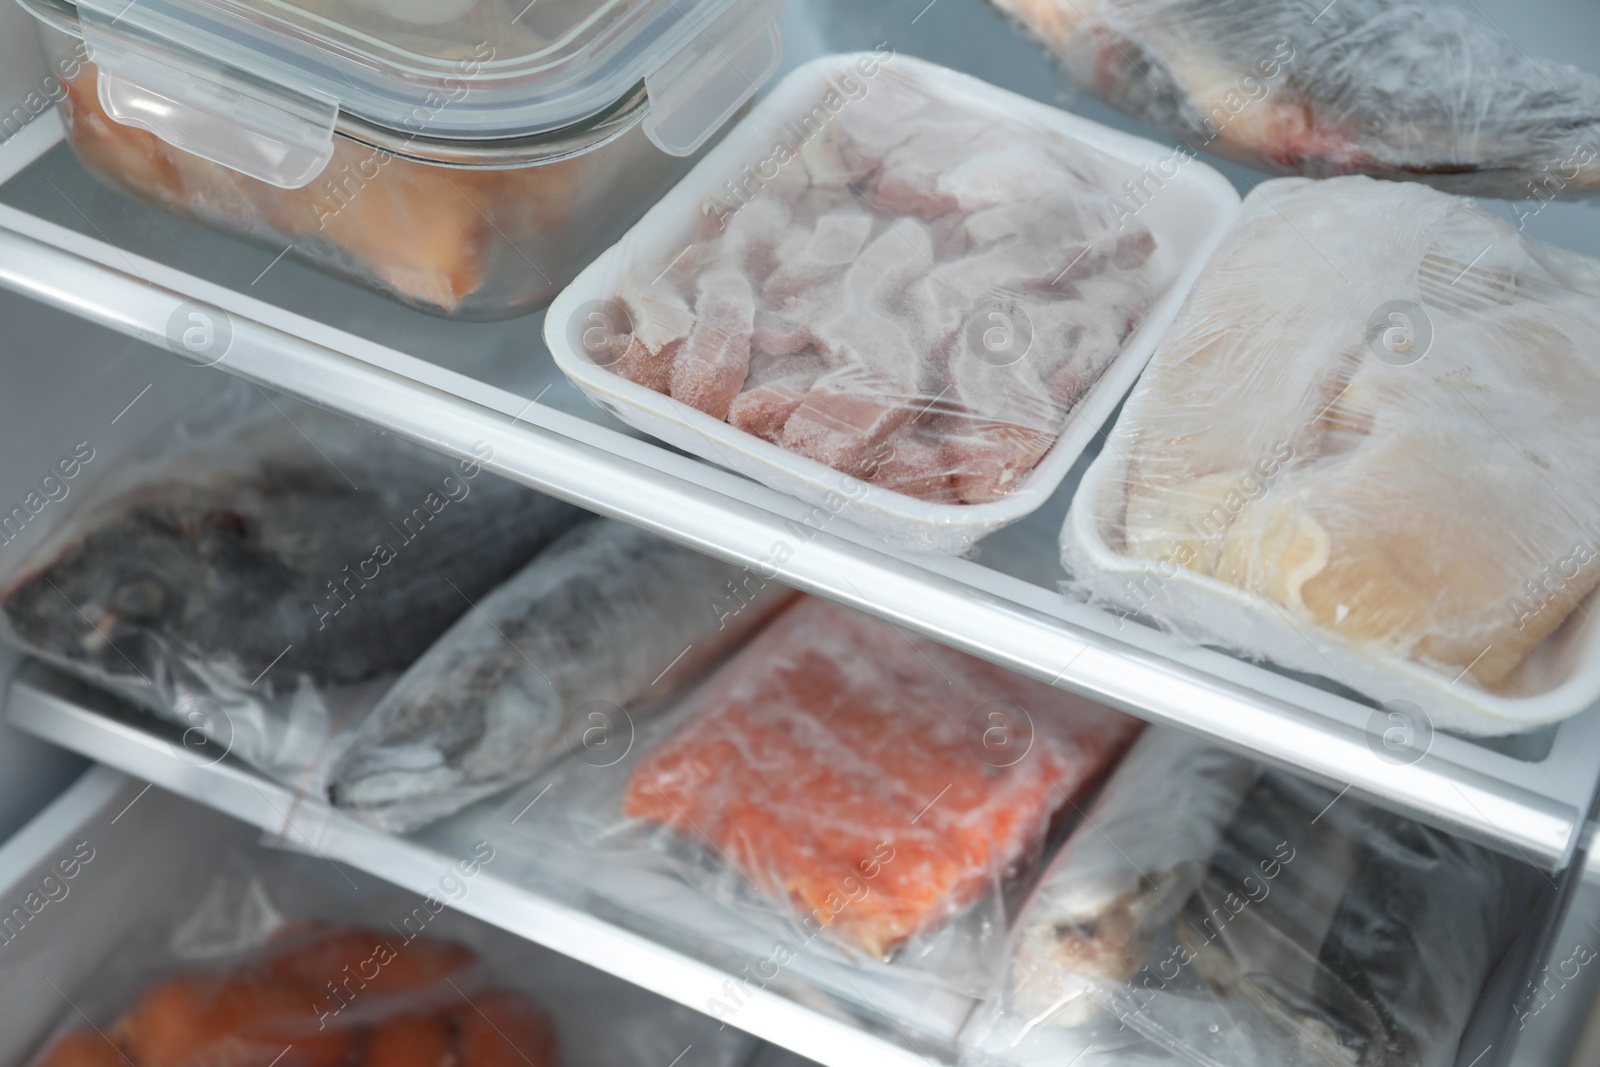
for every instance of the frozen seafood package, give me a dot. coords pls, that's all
(607, 621)
(896, 292)
(264, 964)
(258, 574)
(1368, 449)
(1419, 90)
(1284, 925)
(861, 795)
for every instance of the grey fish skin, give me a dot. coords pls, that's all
(227, 562)
(590, 625)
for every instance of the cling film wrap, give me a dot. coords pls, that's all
(265, 961)
(608, 619)
(1317, 934)
(1419, 90)
(858, 795)
(1366, 449)
(259, 573)
(914, 286)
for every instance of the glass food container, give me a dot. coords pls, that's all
(465, 157)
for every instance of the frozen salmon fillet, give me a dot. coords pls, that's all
(874, 781)
(886, 244)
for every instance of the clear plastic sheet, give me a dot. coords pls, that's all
(1318, 935)
(262, 965)
(259, 573)
(1420, 90)
(914, 288)
(607, 619)
(865, 794)
(1366, 449)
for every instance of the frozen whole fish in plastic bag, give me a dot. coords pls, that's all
(1368, 448)
(1406, 89)
(607, 618)
(1323, 931)
(857, 792)
(252, 576)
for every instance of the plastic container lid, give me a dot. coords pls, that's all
(258, 85)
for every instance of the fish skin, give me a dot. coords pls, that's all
(596, 617)
(227, 566)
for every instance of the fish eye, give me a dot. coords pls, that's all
(143, 597)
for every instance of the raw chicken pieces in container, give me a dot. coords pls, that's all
(1422, 90)
(258, 574)
(1207, 912)
(896, 292)
(602, 626)
(862, 795)
(264, 964)
(1368, 449)
(466, 158)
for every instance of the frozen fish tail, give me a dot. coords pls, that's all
(1420, 89)
(607, 618)
(1125, 872)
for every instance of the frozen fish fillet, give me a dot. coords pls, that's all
(1416, 89)
(609, 617)
(1379, 412)
(840, 765)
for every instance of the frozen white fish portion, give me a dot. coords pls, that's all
(607, 619)
(918, 294)
(1138, 855)
(1377, 416)
(1421, 90)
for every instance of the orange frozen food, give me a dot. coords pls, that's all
(83, 1048)
(504, 1029)
(379, 963)
(207, 1020)
(411, 1041)
(874, 779)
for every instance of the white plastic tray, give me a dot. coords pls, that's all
(1188, 215)
(1559, 679)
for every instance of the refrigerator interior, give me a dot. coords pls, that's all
(71, 380)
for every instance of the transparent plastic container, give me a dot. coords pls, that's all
(466, 162)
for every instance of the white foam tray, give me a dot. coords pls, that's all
(1188, 215)
(1560, 678)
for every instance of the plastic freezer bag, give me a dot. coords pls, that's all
(1407, 89)
(259, 573)
(915, 289)
(1367, 449)
(263, 966)
(1317, 934)
(608, 618)
(868, 790)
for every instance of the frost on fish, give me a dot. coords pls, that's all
(830, 313)
(240, 578)
(1416, 89)
(607, 619)
(1126, 871)
(835, 755)
(1377, 416)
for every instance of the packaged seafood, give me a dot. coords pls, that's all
(1401, 495)
(264, 963)
(1419, 90)
(468, 167)
(1127, 870)
(858, 794)
(607, 619)
(261, 570)
(1319, 934)
(902, 294)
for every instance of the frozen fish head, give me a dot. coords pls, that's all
(604, 624)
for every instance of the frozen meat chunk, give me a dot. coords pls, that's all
(836, 754)
(711, 364)
(776, 386)
(830, 248)
(661, 323)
